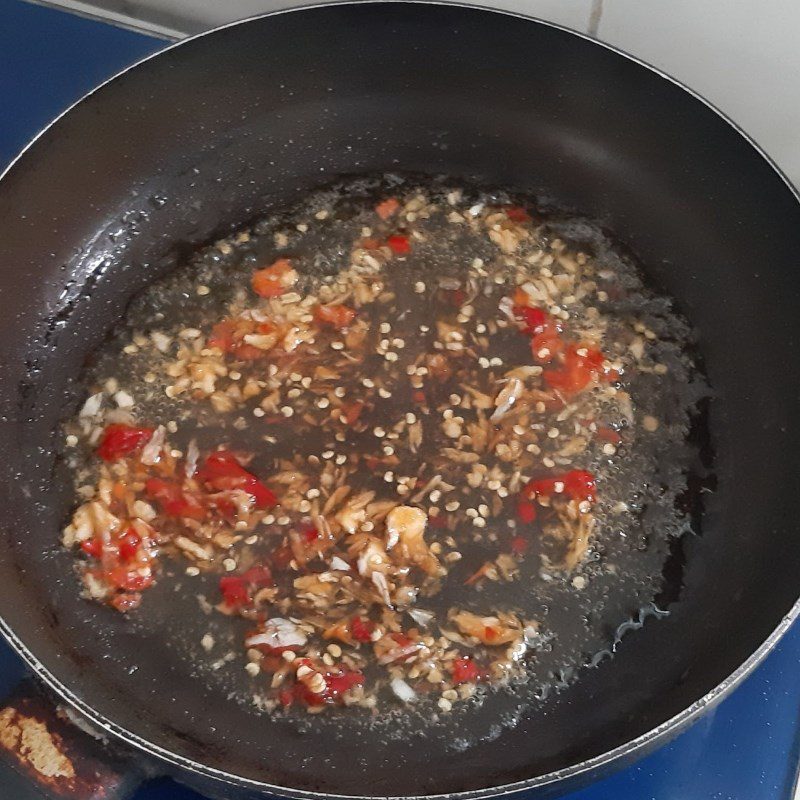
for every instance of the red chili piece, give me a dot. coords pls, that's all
(387, 207)
(223, 472)
(534, 319)
(517, 214)
(578, 484)
(120, 440)
(581, 365)
(336, 684)
(361, 629)
(129, 545)
(352, 411)
(93, 547)
(519, 544)
(228, 336)
(547, 344)
(173, 500)
(237, 590)
(399, 245)
(310, 534)
(337, 315)
(268, 282)
(465, 670)
(526, 511)
(607, 434)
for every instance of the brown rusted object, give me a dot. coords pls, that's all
(44, 755)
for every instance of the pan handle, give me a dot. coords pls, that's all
(44, 755)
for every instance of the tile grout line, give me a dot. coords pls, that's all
(595, 15)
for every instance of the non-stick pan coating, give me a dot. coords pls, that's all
(209, 134)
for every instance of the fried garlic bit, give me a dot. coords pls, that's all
(498, 630)
(574, 532)
(405, 529)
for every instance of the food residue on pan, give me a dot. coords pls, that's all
(369, 424)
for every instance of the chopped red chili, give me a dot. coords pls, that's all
(237, 590)
(547, 344)
(580, 366)
(129, 544)
(387, 207)
(337, 315)
(519, 545)
(361, 629)
(172, 499)
(223, 472)
(608, 434)
(517, 214)
(534, 319)
(465, 670)
(310, 534)
(352, 411)
(578, 484)
(228, 335)
(234, 591)
(120, 440)
(127, 579)
(93, 547)
(338, 684)
(399, 245)
(526, 511)
(269, 282)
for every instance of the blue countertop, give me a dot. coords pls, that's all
(746, 749)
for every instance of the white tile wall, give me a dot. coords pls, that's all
(191, 16)
(743, 55)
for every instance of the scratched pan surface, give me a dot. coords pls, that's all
(217, 130)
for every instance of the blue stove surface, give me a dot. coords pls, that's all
(746, 749)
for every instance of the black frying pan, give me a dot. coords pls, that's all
(210, 133)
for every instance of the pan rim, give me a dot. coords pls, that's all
(628, 750)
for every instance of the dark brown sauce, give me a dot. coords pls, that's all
(577, 608)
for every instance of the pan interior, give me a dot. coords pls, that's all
(222, 128)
